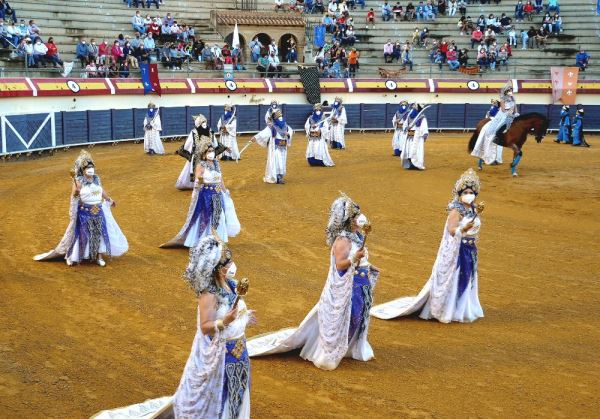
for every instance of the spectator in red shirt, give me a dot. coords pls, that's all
(476, 37)
(117, 53)
(103, 52)
(371, 18)
(52, 54)
(154, 28)
(528, 9)
(444, 49)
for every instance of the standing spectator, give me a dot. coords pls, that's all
(255, 49)
(388, 50)
(582, 59)
(52, 55)
(81, 52)
(273, 49)
(386, 12)
(370, 18)
(33, 30)
(137, 22)
(452, 57)
(28, 50)
(353, 62)
(407, 56)
(92, 50)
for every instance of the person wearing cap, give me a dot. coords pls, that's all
(578, 138)
(564, 126)
(417, 131)
(337, 124)
(152, 129)
(276, 138)
(316, 133)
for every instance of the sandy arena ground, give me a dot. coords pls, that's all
(78, 340)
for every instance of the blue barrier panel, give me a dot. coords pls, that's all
(58, 128)
(193, 111)
(372, 115)
(75, 127)
(474, 113)
(554, 115)
(22, 132)
(451, 116)
(138, 121)
(296, 115)
(591, 120)
(432, 116)
(262, 110)
(173, 121)
(390, 110)
(247, 118)
(353, 115)
(525, 108)
(215, 113)
(99, 126)
(122, 124)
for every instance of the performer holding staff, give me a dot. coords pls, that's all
(317, 153)
(416, 130)
(451, 293)
(227, 127)
(337, 125)
(338, 325)
(276, 138)
(152, 129)
(398, 123)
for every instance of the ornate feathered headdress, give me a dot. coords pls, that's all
(202, 144)
(83, 160)
(507, 87)
(277, 114)
(403, 102)
(228, 107)
(343, 210)
(338, 99)
(468, 180)
(495, 102)
(317, 107)
(208, 255)
(151, 105)
(199, 119)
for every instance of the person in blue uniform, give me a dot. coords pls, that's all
(564, 126)
(578, 138)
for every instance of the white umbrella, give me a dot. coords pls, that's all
(235, 43)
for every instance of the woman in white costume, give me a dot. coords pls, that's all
(188, 151)
(451, 293)
(399, 137)
(92, 231)
(152, 129)
(227, 127)
(317, 153)
(338, 325)
(276, 137)
(485, 148)
(216, 379)
(337, 125)
(415, 126)
(211, 207)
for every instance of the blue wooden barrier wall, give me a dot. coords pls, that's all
(23, 133)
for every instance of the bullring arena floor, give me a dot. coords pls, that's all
(78, 340)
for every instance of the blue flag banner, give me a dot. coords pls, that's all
(145, 70)
(319, 38)
(598, 7)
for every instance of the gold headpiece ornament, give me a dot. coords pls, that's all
(468, 180)
(199, 119)
(317, 107)
(508, 86)
(404, 102)
(202, 144)
(352, 209)
(338, 99)
(228, 107)
(83, 160)
(151, 105)
(495, 102)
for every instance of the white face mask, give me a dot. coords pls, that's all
(318, 112)
(90, 171)
(280, 118)
(361, 220)
(274, 106)
(468, 198)
(204, 125)
(336, 103)
(231, 271)
(210, 155)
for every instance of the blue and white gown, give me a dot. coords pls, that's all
(399, 137)
(211, 207)
(564, 127)
(92, 229)
(317, 153)
(452, 291)
(485, 148)
(215, 383)
(227, 127)
(413, 150)
(152, 129)
(335, 328)
(336, 127)
(276, 138)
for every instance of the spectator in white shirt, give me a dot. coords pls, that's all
(278, 5)
(138, 22)
(39, 52)
(274, 65)
(273, 49)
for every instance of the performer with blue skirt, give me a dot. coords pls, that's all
(337, 125)
(227, 128)
(337, 327)
(398, 122)
(276, 137)
(211, 207)
(451, 293)
(578, 138)
(215, 383)
(317, 153)
(416, 130)
(152, 129)
(564, 126)
(92, 231)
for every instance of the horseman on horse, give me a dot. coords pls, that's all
(498, 130)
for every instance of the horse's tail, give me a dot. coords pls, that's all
(473, 140)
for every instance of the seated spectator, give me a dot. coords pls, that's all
(176, 57)
(129, 57)
(255, 49)
(319, 7)
(453, 8)
(547, 23)
(505, 22)
(462, 7)
(489, 36)
(582, 59)
(52, 55)
(538, 6)
(407, 56)
(491, 60)
(154, 28)
(553, 6)
(4, 37)
(103, 52)
(332, 8)
(416, 35)
(482, 59)
(92, 50)
(397, 53)
(147, 21)
(512, 36)
(386, 12)
(524, 39)
(540, 38)
(410, 12)
(444, 47)
(420, 11)
(278, 5)
(388, 50)
(371, 18)
(481, 23)
(433, 51)
(528, 10)
(557, 24)
(137, 22)
(116, 53)
(327, 21)
(149, 44)
(503, 56)
(424, 37)
(208, 58)
(124, 70)
(90, 70)
(39, 52)
(441, 7)
(428, 11)
(81, 52)
(349, 38)
(7, 13)
(13, 34)
(462, 25)
(149, 2)
(463, 57)
(438, 58)
(274, 66)
(263, 66)
(168, 20)
(398, 12)
(519, 11)
(142, 55)
(217, 57)
(452, 58)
